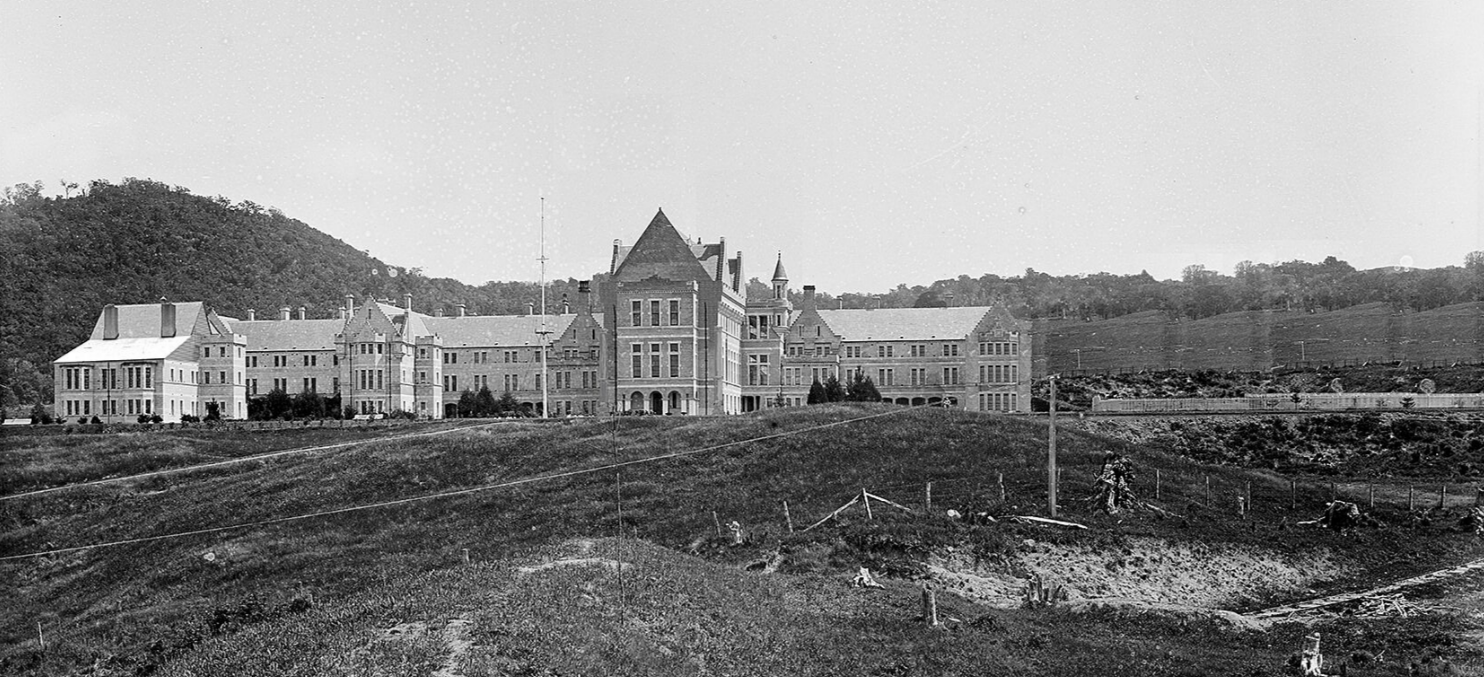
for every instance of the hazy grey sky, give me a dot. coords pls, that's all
(871, 143)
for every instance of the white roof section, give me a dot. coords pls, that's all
(123, 350)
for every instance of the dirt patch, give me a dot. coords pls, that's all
(1146, 570)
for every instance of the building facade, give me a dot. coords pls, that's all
(670, 330)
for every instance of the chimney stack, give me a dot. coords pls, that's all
(440, 311)
(350, 305)
(530, 308)
(950, 299)
(283, 314)
(462, 310)
(167, 319)
(341, 315)
(252, 315)
(110, 322)
(302, 312)
(585, 288)
(566, 307)
(407, 302)
(808, 296)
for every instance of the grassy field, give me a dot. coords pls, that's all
(315, 596)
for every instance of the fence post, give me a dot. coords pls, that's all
(1249, 495)
(1293, 494)
(1208, 491)
(1334, 490)
(1442, 495)
(788, 518)
(1371, 494)
(1411, 505)
(1000, 478)
(928, 501)
(1156, 484)
(1478, 496)
(929, 605)
(717, 521)
(466, 555)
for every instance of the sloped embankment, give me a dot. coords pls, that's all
(1148, 570)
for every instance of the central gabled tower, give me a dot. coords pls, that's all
(676, 313)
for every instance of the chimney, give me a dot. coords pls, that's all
(440, 311)
(341, 315)
(252, 315)
(585, 289)
(283, 314)
(950, 299)
(302, 311)
(407, 302)
(808, 296)
(737, 273)
(613, 267)
(566, 307)
(530, 308)
(110, 322)
(167, 319)
(462, 310)
(350, 305)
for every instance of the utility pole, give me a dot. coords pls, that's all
(1051, 451)
(543, 331)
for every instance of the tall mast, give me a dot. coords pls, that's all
(544, 332)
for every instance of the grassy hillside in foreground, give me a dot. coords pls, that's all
(150, 604)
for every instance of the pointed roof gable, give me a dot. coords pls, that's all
(660, 252)
(778, 272)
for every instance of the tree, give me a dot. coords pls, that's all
(817, 394)
(277, 404)
(506, 405)
(39, 415)
(861, 389)
(484, 402)
(468, 403)
(834, 391)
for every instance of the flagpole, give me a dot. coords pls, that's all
(544, 332)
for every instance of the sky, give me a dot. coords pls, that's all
(871, 144)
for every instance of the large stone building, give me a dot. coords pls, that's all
(670, 330)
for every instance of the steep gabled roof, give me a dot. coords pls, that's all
(659, 252)
(778, 272)
(909, 324)
(142, 320)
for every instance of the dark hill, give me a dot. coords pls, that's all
(62, 259)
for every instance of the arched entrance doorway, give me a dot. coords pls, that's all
(636, 403)
(656, 402)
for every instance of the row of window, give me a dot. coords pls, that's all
(81, 378)
(656, 358)
(132, 407)
(997, 402)
(999, 347)
(670, 307)
(283, 360)
(221, 351)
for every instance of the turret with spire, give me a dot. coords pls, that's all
(780, 279)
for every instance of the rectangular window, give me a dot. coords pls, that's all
(654, 360)
(675, 362)
(674, 313)
(636, 309)
(654, 313)
(638, 360)
(221, 378)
